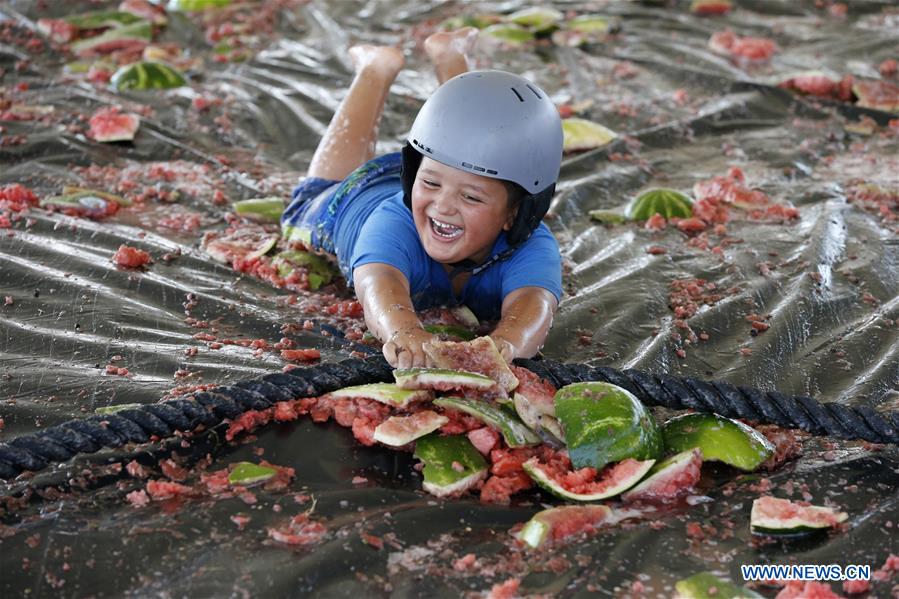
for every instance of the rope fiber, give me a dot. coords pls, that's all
(60, 443)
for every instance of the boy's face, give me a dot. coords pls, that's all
(458, 215)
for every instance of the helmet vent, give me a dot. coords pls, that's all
(422, 146)
(479, 169)
(515, 91)
(536, 93)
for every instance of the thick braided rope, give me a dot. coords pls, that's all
(161, 420)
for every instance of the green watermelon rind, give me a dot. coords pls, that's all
(720, 439)
(102, 18)
(425, 428)
(386, 393)
(604, 423)
(138, 30)
(248, 473)
(439, 454)
(538, 420)
(666, 202)
(535, 532)
(581, 134)
(797, 525)
(509, 33)
(260, 209)
(418, 378)
(699, 585)
(534, 469)
(536, 18)
(147, 75)
(659, 471)
(116, 408)
(195, 5)
(513, 430)
(450, 330)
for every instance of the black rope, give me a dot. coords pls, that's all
(208, 408)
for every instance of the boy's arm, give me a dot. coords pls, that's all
(527, 315)
(383, 291)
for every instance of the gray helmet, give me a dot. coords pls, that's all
(495, 124)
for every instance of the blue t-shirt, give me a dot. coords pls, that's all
(388, 236)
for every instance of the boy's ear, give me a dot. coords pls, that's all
(510, 219)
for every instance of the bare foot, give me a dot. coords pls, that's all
(386, 61)
(449, 50)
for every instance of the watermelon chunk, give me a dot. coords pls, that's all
(397, 431)
(110, 124)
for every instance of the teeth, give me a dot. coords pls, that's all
(445, 229)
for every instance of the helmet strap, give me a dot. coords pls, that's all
(411, 161)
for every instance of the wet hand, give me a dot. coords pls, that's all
(505, 347)
(404, 348)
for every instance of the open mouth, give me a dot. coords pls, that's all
(445, 230)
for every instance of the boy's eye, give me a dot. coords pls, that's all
(471, 198)
(428, 183)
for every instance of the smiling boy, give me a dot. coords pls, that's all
(456, 218)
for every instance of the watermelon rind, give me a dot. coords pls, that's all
(541, 420)
(452, 464)
(267, 210)
(720, 439)
(509, 33)
(666, 202)
(386, 393)
(121, 201)
(607, 217)
(101, 18)
(536, 18)
(195, 5)
(319, 270)
(536, 531)
(116, 408)
(581, 134)
(464, 315)
(762, 524)
(515, 433)
(82, 200)
(423, 378)
(661, 471)
(419, 424)
(479, 21)
(707, 586)
(453, 354)
(589, 23)
(604, 423)
(536, 471)
(248, 473)
(138, 30)
(147, 75)
(450, 330)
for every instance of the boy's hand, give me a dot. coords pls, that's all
(404, 348)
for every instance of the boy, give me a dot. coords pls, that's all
(456, 218)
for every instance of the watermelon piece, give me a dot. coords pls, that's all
(103, 19)
(666, 202)
(515, 433)
(442, 379)
(196, 5)
(586, 484)
(130, 257)
(452, 465)
(604, 423)
(509, 33)
(386, 393)
(111, 197)
(82, 203)
(140, 31)
(879, 95)
(144, 10)
(580, 134)
(116, 408)
(540, 417)
(584, 29)
(397, 431)
(59, 31)
(262, 210)
(774, 516)
(450, 332)
(110, 124)
(536, 18)
(247, 473)
(465, 316)
(719, 438)
(479, 355)
(710, 7)
(319, 270)
(479, 21)
(147, 75)
(247, 245)
(607, 217)
(813, 83)
(708, 586)
(669, 479)
(559, 523)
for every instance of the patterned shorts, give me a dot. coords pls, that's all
(316, 203)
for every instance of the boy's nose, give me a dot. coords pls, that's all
(444, 202)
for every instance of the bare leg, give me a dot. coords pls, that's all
(449, 51)
(352, 133)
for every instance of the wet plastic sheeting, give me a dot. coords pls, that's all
(72, 311)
